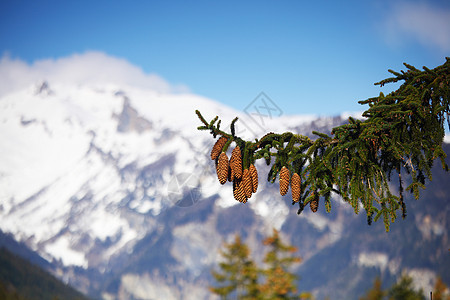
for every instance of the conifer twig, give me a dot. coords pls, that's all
(403, 131)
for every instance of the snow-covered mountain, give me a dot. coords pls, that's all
(74, 157)
(114, 186)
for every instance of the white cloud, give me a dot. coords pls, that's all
(419, 21)
(87, 68)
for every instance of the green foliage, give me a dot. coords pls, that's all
(440, 291)
(376, 292)
(401, 135)
(239, 274)
(403, 290)
(279, 282)
(20, 280)
(8, 292)
(241, 277)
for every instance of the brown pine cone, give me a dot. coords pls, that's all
(254, 176)
(238, 190)
(222, 168)
(235, 189)
(247, 182)
(218, 146)
(284, 180)
(314, 204)
(230, 174)
(236, 162)
(296, 187)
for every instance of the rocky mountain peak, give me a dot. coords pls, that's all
(130, 120)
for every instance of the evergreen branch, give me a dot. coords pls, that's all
(403, 132)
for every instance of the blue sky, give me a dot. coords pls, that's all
(309, 57)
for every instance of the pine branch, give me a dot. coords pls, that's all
(402, 132)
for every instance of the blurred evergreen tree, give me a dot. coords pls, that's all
(279, 283)
(376, 292)
(440, 291)
(238, 275)
(404, 290)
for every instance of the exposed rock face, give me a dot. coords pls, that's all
(129, 120)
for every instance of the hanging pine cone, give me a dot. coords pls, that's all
(296, 187)
(284, 180)
(247, 182)
(254, 177)
(314, 204)
(230, 174)
(236, 162)
(235, 189)
(222, 168)
(238, 190)
(218, 146)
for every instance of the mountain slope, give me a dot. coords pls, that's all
(21, 280)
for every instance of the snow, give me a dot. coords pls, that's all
(373, 259)
(317, 220)
(423, 279)
(34, 156)
(61, 154)
(447, 138)
(61, 250)
(146, 287)
(272, 210)
(63, 163)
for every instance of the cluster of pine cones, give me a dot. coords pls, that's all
(295, 182)
(245, 181)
